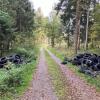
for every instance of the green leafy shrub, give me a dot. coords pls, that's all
(13, 79)
(3, 89)
(16, 77)
(22, 51)
(28, 54)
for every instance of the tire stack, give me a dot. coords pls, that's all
(14, 59)
(88, 63)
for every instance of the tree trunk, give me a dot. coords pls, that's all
(78, 42)
(2, 49)
(52, 42)
(87, 26)
(8, 46)
(77, 27)
(68, 42)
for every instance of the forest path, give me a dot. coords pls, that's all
(41, 88)
(79, 88)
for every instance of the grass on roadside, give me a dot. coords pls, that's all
(91, 81)
(57, 53)
(28, 72)
(25, 71)
(57, 78)
(61, 52)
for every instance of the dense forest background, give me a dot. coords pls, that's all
(16, 24)
(72, 23)
(80, 20)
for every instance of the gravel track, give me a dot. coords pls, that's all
(41, 87)
(80, 90)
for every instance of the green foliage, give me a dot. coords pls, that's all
(54, 28)
(95, 29)
(5, 25)
(15, 80)
(22, 51)
(96, 26)
(5, 30)
(11, 80)
(5, 18)
(40, 26)
(74, 14)
(28, 54)
(16, 23)
(97, 14)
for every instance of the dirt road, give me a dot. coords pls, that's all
(41, 88)
(79, 88)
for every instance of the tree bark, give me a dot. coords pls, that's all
(77, 27)
(52, 42)
(68, 42)
(78, 42)
(87, 26)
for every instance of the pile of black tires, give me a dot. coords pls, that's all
(14, 59)
(88, 63)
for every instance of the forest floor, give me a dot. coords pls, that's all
(42, 88)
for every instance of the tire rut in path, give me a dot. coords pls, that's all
(41, 88)
(79, 88)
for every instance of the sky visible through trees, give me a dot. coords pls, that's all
(45, 5)
(66, 27)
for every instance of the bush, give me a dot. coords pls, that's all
(15, 80)
(3, 89)
(28, 54)
(12, 79)
(22, 51)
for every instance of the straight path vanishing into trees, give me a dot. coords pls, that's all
(42, 87)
